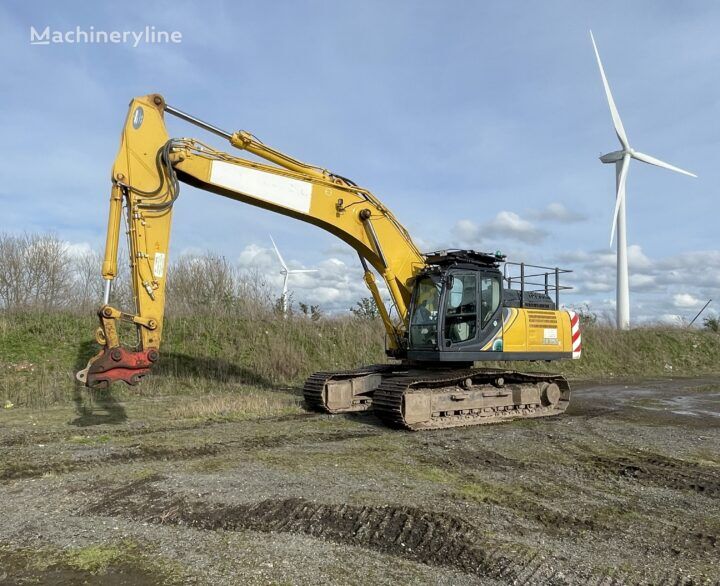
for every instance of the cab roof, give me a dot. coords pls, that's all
(449, 258)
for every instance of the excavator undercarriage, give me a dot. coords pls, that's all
(417, 398)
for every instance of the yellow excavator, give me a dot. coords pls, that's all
(449, 309)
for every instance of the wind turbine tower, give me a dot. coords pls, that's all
(621, 159)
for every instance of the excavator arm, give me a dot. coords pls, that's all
(145, 185)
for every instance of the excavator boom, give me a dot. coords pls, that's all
(146, 176)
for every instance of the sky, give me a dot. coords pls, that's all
(479, 124)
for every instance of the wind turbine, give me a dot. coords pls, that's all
(621, 159)
(286, 272)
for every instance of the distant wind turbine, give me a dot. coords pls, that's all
(621, 159)
(285, 272)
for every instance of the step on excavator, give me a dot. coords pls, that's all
(449, 309)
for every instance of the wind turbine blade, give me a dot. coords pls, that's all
(282, 262)
(619, 129)
(620, 197)
(658, 163)
(293, 271)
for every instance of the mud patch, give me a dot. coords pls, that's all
(428, 537)
(472, 458)
(66, 568)
(467, 470)
(59, 575)
(660, 471)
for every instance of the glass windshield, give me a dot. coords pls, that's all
(461, 309)
(423, 321)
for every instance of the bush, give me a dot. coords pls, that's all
(35, 271)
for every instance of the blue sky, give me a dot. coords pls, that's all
(478, 124)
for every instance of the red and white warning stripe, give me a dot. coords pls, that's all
(575, 332)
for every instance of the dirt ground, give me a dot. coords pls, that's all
(623, 488)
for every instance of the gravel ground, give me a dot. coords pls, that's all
(623, 488)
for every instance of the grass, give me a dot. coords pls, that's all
(248, 403)
(117, 562)
(95, 558)
(241, 360)
(247, 364)
(646, 352)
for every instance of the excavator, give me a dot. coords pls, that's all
(448, 309)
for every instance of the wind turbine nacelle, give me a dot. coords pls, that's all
(613, 157)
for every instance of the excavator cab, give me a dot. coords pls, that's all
(462, 301)
(456, 308)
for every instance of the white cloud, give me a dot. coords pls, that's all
(641, 282)
(686, 300)
(505, 225)
(606, 258)
(557, 212)
(596, 286)
(510, 225)
(336, 285)
(662, 290)
(467, 230)
(257, 257)
(637, 258)
(78, 249)
(340, 248)
(672, 319)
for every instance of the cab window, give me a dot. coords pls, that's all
(461, 308)
(423, 322)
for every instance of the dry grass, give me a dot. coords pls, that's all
(247, 403)
(202, 354)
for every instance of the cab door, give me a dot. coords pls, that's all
(491, 319)
(460, 323)
(472, 312)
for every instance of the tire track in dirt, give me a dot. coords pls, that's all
(660, 471)
(470, 464)
(432, 538)
(20, 469)
(690, 543)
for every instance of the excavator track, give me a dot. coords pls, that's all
(418, 401)
(345, 391)
(416, 398)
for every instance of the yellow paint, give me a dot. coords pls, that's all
(523, 331)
